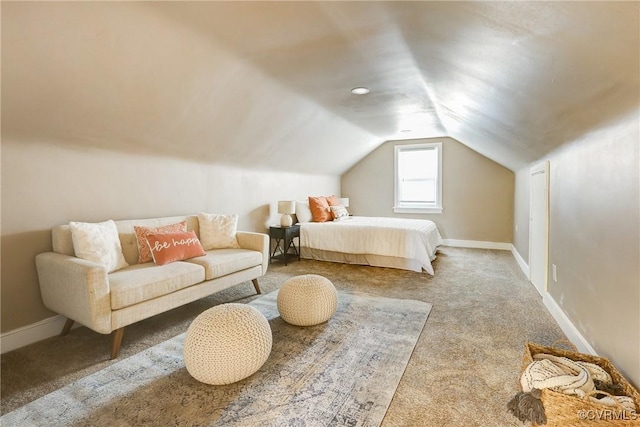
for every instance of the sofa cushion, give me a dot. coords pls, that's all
(142, 282)
(220, 262)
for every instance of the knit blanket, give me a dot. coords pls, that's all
(575, 378)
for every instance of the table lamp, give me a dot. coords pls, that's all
(286, 208)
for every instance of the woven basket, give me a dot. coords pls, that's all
(564, 410)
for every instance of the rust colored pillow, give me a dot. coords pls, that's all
(333, 201)
(320, 209)
(170, 247)
(144, 254)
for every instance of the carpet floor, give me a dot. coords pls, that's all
(341, 372)
(463, 370)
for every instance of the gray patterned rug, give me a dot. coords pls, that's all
(343, 372)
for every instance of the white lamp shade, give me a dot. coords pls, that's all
(287, 207)
(344, 201)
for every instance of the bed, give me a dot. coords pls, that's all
(408, 244)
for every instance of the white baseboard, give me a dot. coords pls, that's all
(556, 312)
(35, 332)
(567, 327)
(476, 244)
(521, 262)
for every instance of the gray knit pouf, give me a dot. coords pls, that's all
(307, 300)
(227, 343)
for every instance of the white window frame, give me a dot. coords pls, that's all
(429, 208)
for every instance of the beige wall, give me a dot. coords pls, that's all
(595, 238)
(477, 192)
(45, 184)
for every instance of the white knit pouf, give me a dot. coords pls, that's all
(227, 343)
(307, 300)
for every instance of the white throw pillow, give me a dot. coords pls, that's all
(339, 212)
(99, 243)
(303, 211)
(218, 231)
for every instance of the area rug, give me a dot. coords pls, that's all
(343, 372)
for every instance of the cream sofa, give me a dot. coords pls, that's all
(84, 292)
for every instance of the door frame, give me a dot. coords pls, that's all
(539, 168)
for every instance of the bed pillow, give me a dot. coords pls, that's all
(170, 247)
(339, 212)
(98, 243)
(320, 211)
(144, 254)
(303, 211)
(333, 200)
(218, 231)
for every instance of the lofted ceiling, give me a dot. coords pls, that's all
(267, 84)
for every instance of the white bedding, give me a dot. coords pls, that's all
(414, 239)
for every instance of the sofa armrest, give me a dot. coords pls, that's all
(257, 242)
(75, 288)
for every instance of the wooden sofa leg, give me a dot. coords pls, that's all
(66, 328)
(255, 285)
(115, 343)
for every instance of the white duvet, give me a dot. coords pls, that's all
(415, 239)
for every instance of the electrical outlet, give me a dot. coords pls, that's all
(554, 271)
(516, 228)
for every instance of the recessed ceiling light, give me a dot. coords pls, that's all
(360, 90)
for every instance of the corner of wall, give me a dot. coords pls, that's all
(556, 312)
(566, 325)
(30, 334)
(521, 262)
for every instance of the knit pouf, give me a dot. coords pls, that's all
(227, 343)
(307, 300)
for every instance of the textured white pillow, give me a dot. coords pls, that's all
(339, 212)
(98, 242)
(303, 211)
(218, 231)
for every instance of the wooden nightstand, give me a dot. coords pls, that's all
(284, 243)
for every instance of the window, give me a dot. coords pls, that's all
(418, 178)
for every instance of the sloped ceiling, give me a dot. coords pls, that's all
(267, 84)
